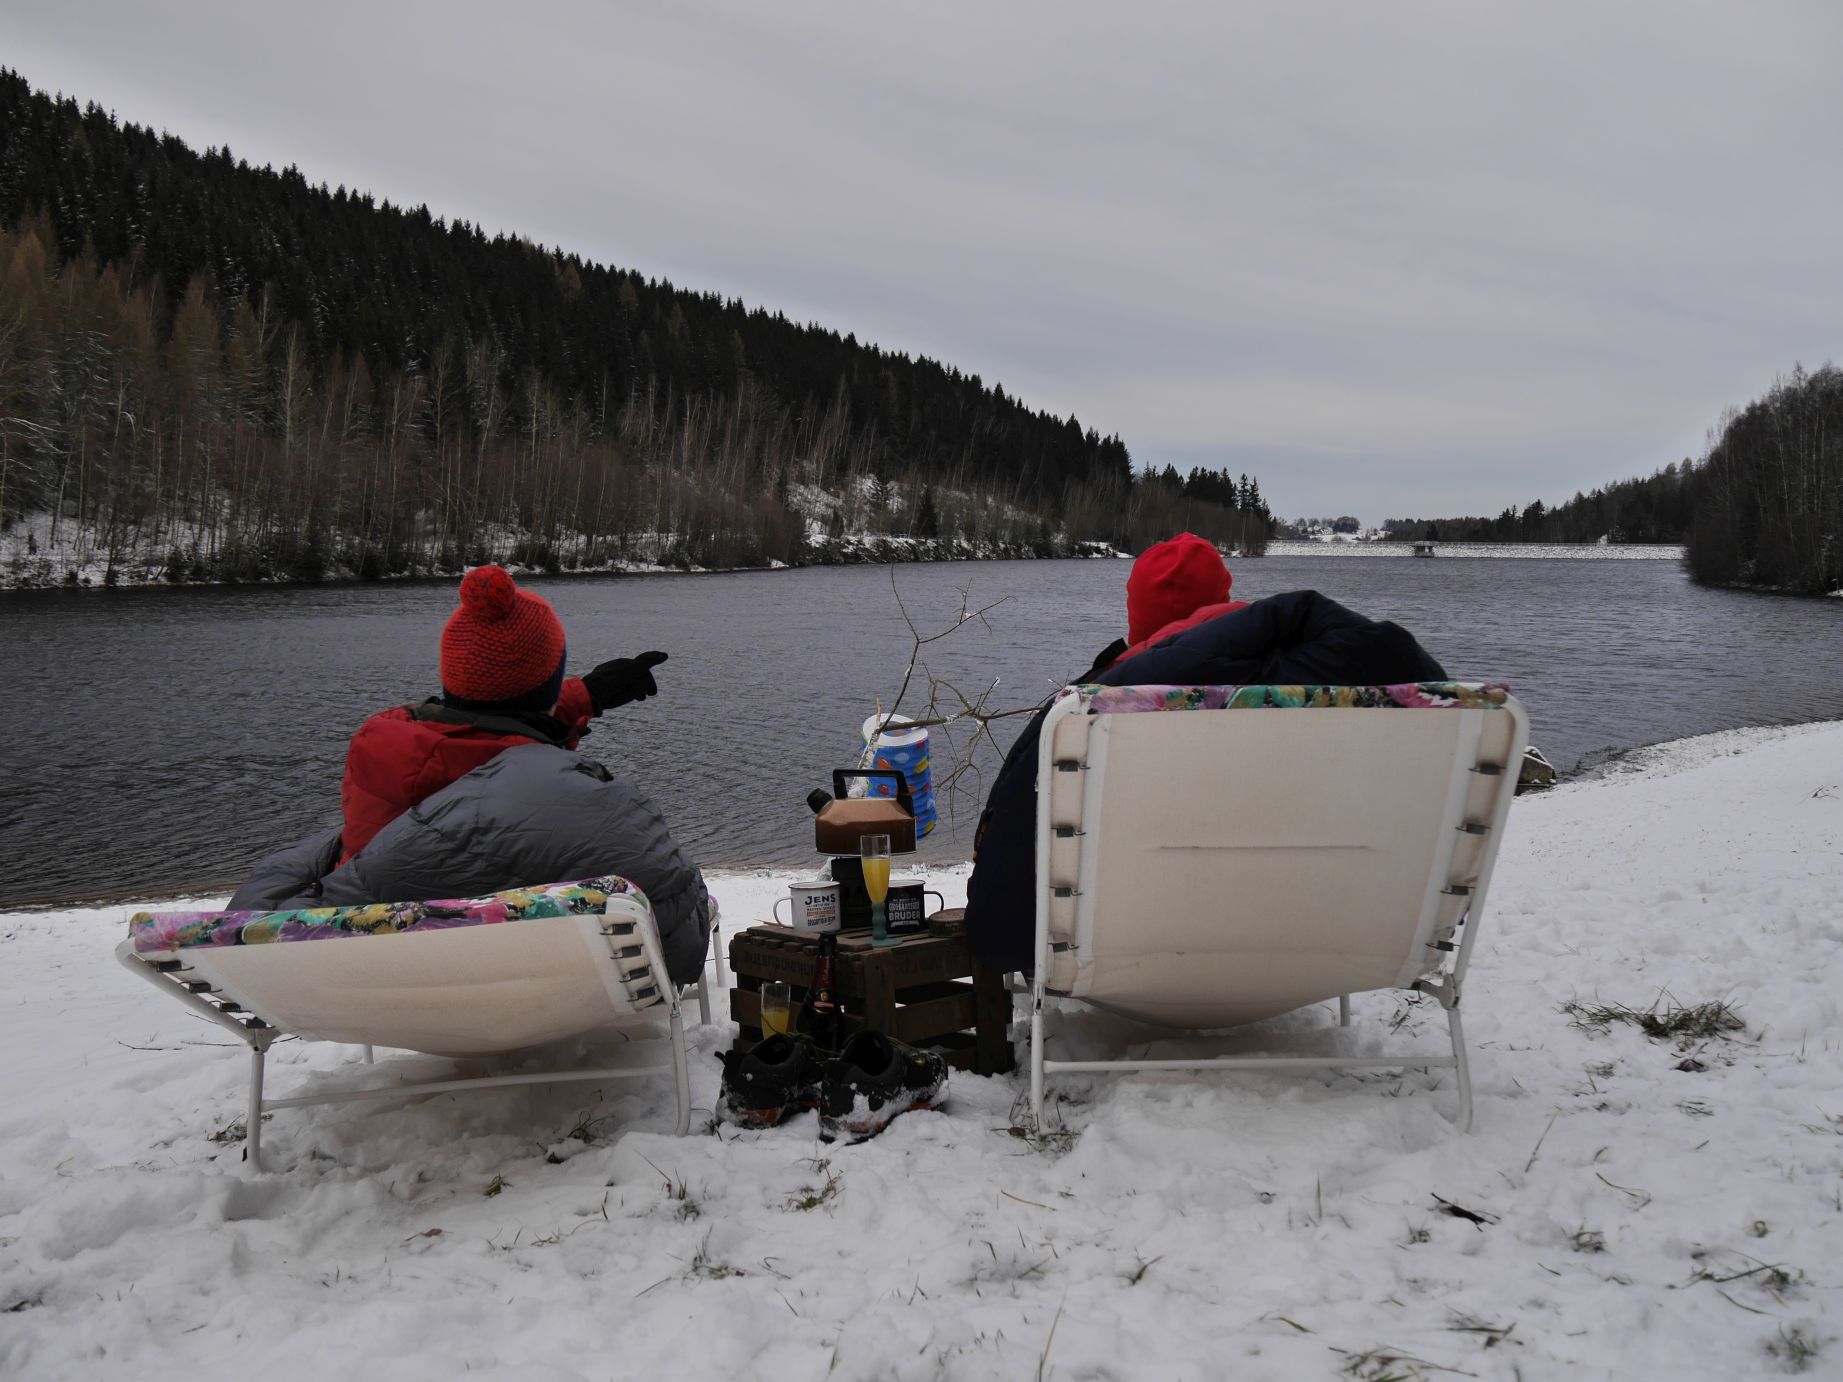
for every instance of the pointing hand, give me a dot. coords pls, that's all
(622, 680)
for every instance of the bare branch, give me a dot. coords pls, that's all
(948, 708)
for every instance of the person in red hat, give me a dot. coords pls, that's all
(1185, 632)
(1174, 586)
(482, 788)
(502, 669)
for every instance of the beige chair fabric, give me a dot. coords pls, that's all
(467, 992)
(462, 992)
(1207, 868)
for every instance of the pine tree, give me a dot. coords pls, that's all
(927, 518)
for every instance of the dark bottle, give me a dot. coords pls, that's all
(820, 1018)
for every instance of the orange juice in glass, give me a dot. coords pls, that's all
(874, 856)
(777, 1008)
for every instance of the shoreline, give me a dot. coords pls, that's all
(21, 573)
(525, 572)
(40, 571)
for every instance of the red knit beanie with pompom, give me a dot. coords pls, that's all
(1172, 580)
(503, 643)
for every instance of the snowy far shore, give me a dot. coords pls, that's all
(31, 558)
(1630, 1205)
(1540, 551)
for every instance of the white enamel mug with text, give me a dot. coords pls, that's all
(812, 906)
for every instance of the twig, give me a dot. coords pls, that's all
(1539, 1141)
(1459, 1211)
(1639, 1198)
(947, 705)
(921, 639)
(1043, 1361)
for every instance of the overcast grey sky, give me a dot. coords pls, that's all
(1393, 258)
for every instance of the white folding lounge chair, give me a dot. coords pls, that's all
(1262, 849)
(469, 977)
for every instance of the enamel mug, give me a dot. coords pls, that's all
(906, 910)
(812, 906)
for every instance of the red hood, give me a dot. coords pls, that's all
(1171, 581)
(396, 760)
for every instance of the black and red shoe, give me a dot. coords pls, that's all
(874, 1079)
(768, 1083)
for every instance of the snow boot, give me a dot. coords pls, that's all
(768, 1083)
(874, 1079)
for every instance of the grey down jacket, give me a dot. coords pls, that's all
(532, 814)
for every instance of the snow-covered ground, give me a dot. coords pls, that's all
(1627, 1207)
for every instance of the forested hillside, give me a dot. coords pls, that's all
(249, 375)
(1655, 508)
(1772, 490)
(1764, 506)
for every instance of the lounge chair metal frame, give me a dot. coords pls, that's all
(606, 935)
(1483, 770)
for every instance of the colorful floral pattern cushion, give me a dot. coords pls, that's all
(156, 932)
(1456, 695)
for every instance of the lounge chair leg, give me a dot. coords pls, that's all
(368, 1057)
(704, 999)
(1343, 1010)
(681, 1072)
(1463, 1067)
(252, 1124)
(716, 950)
(1036, 1066)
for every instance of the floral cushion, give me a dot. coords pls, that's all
(155, 932)
(1455, 695)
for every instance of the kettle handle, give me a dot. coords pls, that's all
(841, 775)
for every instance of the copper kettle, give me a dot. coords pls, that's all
(842, 820)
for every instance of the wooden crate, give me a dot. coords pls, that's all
(927, 991)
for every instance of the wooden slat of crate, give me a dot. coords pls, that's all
(961, 1050)
(759, 955)
(917, 991)
(922, 959)
(927, 1013)
(922, 1015)
(762, 955)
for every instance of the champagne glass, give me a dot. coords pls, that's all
(874, 856)
(777, 1008)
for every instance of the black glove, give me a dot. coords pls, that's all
(622, 680)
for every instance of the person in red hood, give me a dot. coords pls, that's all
(1175, 585)
(502, 669)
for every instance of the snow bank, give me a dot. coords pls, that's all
(1633, 1206)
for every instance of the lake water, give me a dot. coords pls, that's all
(162, 739)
